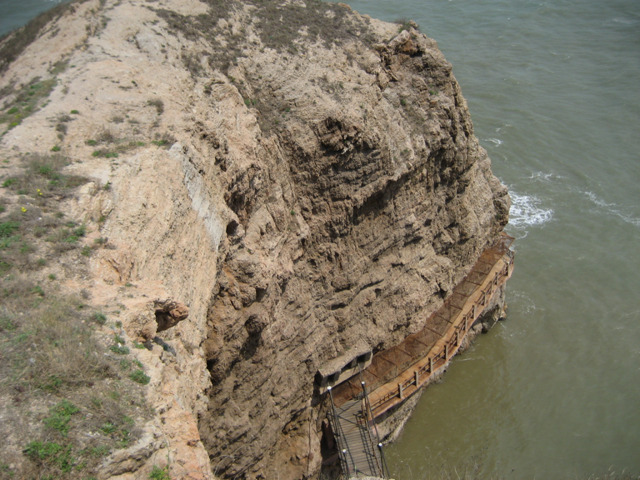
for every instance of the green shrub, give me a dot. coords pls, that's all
(158, 104)
(140, 377)
(119, 349)
(51, 453)
(105, 153)
(7, 228)
(99, 318)
(108, 428)
(60, 416)
(158, 473)
(38, 290)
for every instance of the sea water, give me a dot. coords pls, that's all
(553, 392)
(16, 13)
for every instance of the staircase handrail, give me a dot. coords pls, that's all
(338, 429)
(384, 470)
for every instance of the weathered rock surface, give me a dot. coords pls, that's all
(323, 188)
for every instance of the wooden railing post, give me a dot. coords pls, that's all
(430, 365)
(400, 392)
(446, 352)
(417, 375)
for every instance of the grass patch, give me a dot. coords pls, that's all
(105, 153)
(113, 146)
(58, 353)
(60, 416)
(140, 377)
(165, 140)
(158, 473)
(18, 238)
(60, 384)
(8, 228)
(51, 354)
(119, 349)
(27, 101)
(43, 177)
(51, 454)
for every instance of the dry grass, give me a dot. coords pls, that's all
(70, 391)
(42, 178)
(52, 348)
(66, 398)
(33, 231)
(24, 102)
(279, 25)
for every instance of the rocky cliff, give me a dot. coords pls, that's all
(304, 178)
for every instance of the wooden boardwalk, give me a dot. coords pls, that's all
(399, 372)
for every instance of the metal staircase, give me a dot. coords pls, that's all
(359, 447)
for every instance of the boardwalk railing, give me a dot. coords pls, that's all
(400, 371)
(459, 311)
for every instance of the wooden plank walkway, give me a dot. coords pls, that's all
(399, 372)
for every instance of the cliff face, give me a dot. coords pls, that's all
(323, 189)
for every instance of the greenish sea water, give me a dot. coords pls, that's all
(16, 13)
(554, 391)
(554, 91)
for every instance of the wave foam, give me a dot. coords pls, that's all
(612, 208)
(526, 211)
(543, 176)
